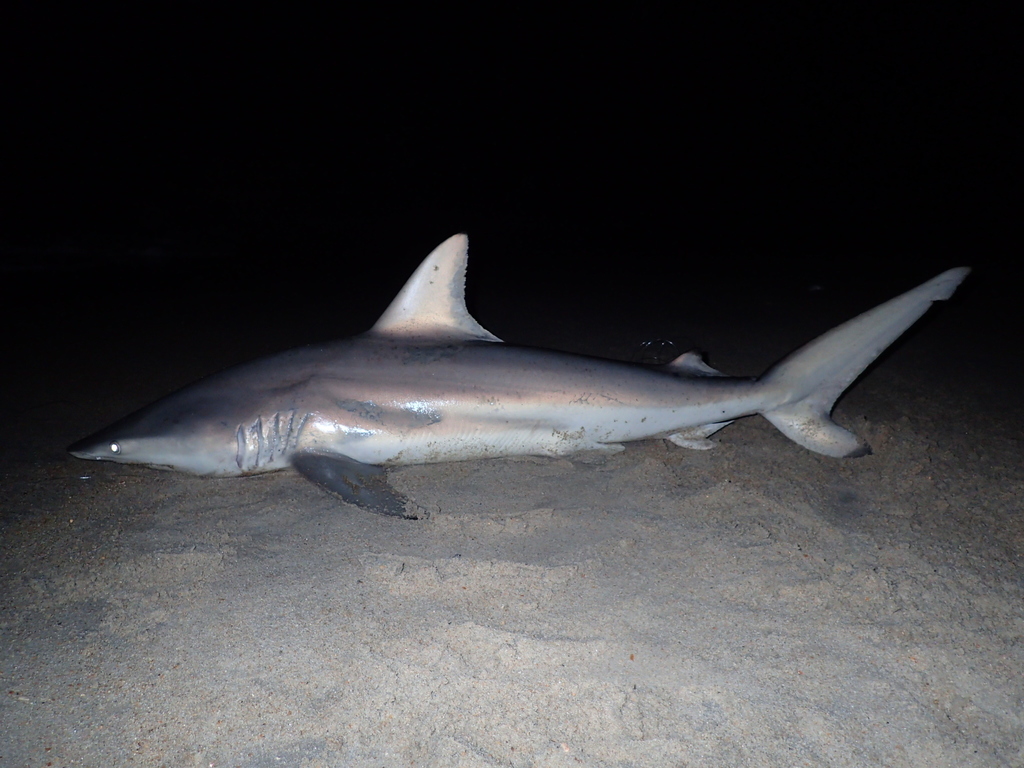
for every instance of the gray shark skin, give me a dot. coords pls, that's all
(428, 384)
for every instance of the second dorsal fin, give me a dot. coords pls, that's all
(692, 364)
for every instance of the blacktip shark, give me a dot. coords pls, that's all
(427, 383)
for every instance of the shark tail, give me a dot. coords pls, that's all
(807, 383)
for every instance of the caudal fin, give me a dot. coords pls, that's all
(808, 382)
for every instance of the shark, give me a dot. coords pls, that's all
(427, 383)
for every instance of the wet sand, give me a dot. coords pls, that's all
(754, 605)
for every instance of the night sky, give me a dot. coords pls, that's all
(281, 164)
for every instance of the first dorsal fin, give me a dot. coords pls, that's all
(432, 304)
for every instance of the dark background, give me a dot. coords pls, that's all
(235, 184)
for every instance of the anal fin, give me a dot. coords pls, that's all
(363, 485)
(696, 438)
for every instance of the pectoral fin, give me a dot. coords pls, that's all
(364, 485)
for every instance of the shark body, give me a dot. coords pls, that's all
(428, 384)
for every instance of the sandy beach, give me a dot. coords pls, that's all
(753, 605)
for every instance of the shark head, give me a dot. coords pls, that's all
(182, 434)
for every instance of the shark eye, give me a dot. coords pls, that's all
(115, 447)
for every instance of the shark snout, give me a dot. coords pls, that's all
(80, 450)
(93, 447)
